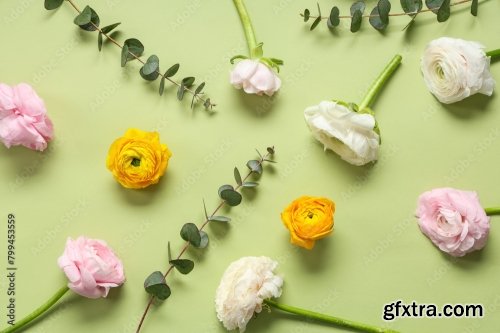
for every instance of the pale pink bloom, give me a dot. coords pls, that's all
(23, 118)
(91, 267)
(454, 220)
(255, 78)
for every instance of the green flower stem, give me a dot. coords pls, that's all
(492, 211)
(247, 26)
(35, 314)
(379, 82)
(493, 53)
(328, 319)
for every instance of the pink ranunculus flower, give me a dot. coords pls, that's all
(91, 267)
(23, 118)
(255, 78)
(454, 220)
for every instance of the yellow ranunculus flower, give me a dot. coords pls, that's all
(308, 219)
(138, 159)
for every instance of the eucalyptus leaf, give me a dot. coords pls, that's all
(216, 218)
(204, 239)
(411, 7)
(188, 81)
(152, 65)
(109, 28)
(270, 150)
(124, 55)
(199, 88)
(375, 20)
(197, 92)
(237, 176)
(473, 7)
(156, 286)
(444, 11)
(356, 21)
(184, 266)
(434, 5)
(53, 4)
(225, 187)
(88, 19)
(306, 15)
(99, 41)
(255, 166)
(191, 234)
(384, 7)
(317, 20)
(135, 47)
(334, 20)
(250, 184)
(207, 103)
(358, 5)
(150, 70)
(162, 85)
(83, 17)
(181, 91)
(315, 23)
(231, 197)
(171, 71)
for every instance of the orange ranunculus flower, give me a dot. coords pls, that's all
(308, 219)
(138, 159)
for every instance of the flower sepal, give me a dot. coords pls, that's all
(366, 110)
(272, 63)
(238, 57)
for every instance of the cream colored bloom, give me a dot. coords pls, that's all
(454, 69)
(349, 134)
(246, 283)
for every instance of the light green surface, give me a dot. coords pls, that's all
(376, 255)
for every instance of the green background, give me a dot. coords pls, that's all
(376, 255)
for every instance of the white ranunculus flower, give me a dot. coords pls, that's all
(454, 69)
(347, 133)
(255, 78)
(246, 283)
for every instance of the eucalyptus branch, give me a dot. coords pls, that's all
(379, 16)
(195, 236)
(132, 49)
